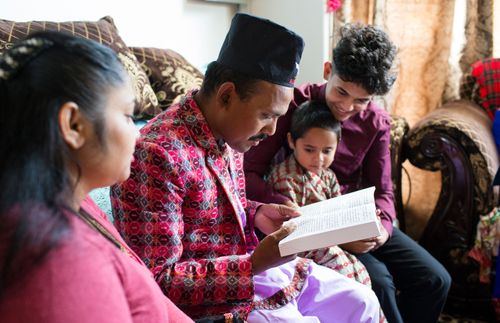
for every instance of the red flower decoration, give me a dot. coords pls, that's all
(333, 5)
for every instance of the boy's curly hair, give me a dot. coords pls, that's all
(364, 55)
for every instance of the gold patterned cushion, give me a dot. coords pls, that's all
(170, 75)
(103, 31)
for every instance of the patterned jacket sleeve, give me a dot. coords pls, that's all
(250, 236)
(148, 213)
(259, 159)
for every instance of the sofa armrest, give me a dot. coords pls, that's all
(399, 132)
(456, 139)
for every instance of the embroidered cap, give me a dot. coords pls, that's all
(262, 49)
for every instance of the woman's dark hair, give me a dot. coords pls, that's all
(217, 74)
(313, 114)
(364, 55)
(37, 76)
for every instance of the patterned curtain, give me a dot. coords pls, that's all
(478, 32)
(424, 33)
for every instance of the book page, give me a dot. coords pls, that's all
(364, 196)
(347, 211)
(326, 220)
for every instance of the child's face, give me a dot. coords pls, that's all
(315, 150)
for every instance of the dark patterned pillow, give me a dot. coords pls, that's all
(170, 75)
(105, 32)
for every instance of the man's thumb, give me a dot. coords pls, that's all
(285, 230)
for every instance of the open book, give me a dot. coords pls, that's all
(342, 219)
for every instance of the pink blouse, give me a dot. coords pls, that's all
(88, 279)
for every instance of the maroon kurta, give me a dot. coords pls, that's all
(362, 158)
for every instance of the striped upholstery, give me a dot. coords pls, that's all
(103, 31)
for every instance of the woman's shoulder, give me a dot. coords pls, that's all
(86, 245)
(83, 279)
(73, 274)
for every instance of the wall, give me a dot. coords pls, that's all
(194, 28)
(309, 19)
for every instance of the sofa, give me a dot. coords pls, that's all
(160, 76)
(456, 140)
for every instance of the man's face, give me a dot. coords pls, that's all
(244, 123)
(344, 99)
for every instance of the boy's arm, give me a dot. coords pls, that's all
(377, 172)
(258, 160)
(257, 163)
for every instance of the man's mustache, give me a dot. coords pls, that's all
(258, 137)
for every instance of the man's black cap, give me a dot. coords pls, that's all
(262, 49)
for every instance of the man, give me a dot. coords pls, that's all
(184, 209)
(410, 284)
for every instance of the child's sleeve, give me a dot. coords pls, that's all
(334, 186)
(286, 185)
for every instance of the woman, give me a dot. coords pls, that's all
(67, 128)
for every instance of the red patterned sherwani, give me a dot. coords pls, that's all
(183, 211)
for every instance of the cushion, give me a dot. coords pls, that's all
(105, 32)
(482, 85)
(170, 75)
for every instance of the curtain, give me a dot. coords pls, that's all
(424, 32)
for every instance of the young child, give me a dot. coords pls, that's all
(305, 177)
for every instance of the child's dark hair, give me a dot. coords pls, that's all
(313, 114)
(364, 55)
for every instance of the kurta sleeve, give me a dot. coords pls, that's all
(257, 163)
(334, 186)
(377, 172)
(149, 214)
(286, 185)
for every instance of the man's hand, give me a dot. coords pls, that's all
(270, 217)
(267, 254)
(291, 204)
